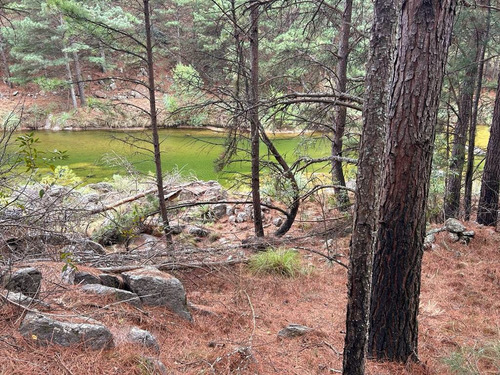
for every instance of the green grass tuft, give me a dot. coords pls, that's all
(475, 360)
(282, 262)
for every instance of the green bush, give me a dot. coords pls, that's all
(121, 227)
(282, 262)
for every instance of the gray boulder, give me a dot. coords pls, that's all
(219, 211)
(21, 299)
(118, 294)
(25, 280)
(143, 337)
(82, 277)
(45, 330)
(112, 281)
(157, 288)
(454, 226)
(294, 330)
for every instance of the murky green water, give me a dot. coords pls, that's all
(93, 154)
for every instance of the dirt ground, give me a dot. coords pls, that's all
(237, 316)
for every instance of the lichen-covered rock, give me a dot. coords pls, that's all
(143, 337)
(25, 280)
(294, 330)
(454, 226)
(118, 294)
(45, 330)
(157, 288)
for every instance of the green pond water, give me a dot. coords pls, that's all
(192, 152)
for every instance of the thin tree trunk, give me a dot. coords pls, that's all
(102, 53)
(70, 80)
(5, 63)
(254, 117)
(79, 79)
(457, 161)
(368, 182)
(68, 71)
(469, 174)
(487, 213)
(423, 40)
(154, 124)
(341, 113)
(293, 209)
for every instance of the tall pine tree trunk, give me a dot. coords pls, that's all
(341, 112)
(254, 117)
(368, 181)
(154, 124)
(487, 212)
(424, 36)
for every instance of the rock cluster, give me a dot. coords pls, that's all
(139, 288)
(456, 232)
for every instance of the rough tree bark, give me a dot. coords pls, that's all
(487, 212)
(483, 36)
(425, 28)
(368, 181)
(341, 112)
(154, 123)
(254, 117)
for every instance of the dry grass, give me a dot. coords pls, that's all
(239, 314)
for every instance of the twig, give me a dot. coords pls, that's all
(59, 360)
(332, 347)
(250, 339)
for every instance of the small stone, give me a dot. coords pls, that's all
(454, 226)
(277, 221)
(153, 366)
(232, 219)
(294, 330)
(143, 337)
(198, 231)
(241, 217)
(453, 237)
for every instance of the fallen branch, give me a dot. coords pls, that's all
(168, 197)
(172, 266)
